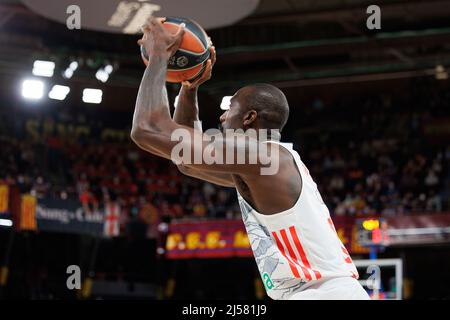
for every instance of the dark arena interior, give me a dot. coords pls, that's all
(369, 116)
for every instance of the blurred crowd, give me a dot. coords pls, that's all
(381, 154)
(368, 155)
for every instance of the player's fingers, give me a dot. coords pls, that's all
(208, 67)
(175, 40)
(187, 84)
(212, 51)
(159, 23)
(178, 36)
(195, 83)
(154, 22)
(148, 24)
(206, 75)
(145, 28)
(181, 30)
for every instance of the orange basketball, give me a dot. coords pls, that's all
(190, 59)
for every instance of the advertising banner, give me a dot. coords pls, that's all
(207, 239)
(67, 216)
(225, 238)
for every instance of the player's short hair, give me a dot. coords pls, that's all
(270, 103)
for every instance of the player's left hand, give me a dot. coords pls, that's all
(159, 41)
(207, 73)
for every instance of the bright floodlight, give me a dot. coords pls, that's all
(176, 101)
(6, 223)
(33, 89)
(73, 65)
(68, 73)
(59, 92)
(102, 75)
(92, 95)
(43, 68)
(109, 68)
(226, 101)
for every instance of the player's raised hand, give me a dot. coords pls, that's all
(159, 41)
(207, 73)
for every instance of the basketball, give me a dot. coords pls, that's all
(190, 59)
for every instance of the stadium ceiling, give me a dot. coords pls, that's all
(283, 40)
(127, 17)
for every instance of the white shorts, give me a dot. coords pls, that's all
(333, 289)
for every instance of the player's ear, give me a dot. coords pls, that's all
(249, 118)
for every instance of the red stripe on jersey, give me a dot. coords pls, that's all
(330, 222)
(291, 264)
(318, 275)
(292, 253)
(299, 247)
(347, 258)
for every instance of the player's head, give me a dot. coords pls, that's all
(257, 106)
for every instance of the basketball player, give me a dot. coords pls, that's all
(296, 248)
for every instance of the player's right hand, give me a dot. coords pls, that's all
(207, 73)
(159, 41)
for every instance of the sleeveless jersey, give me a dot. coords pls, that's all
(297, 247)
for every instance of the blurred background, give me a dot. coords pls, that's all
(370, 118)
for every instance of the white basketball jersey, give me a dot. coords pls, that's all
(298, 247)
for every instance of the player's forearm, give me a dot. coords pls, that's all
(221, 179)
(152, 103)
(186, 111)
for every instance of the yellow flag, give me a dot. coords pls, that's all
(4, 195)
(28, 213)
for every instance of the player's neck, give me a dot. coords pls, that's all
(267, 134)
